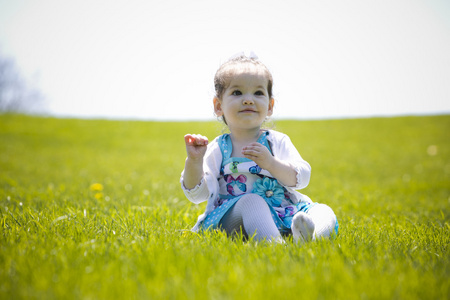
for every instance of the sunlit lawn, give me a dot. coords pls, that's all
(93, 210)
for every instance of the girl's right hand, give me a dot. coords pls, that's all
(195, 146)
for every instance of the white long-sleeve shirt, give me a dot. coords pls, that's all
(208, 188)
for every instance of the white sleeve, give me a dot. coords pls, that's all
(285, 150)
(209, 185)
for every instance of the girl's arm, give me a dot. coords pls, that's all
(199, 181)
(196, 146)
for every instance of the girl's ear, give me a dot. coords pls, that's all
(217, 107)
(271, 104)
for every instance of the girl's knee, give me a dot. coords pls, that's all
(254, 203)
(322, 209)
(324, 219)
(250, 200)
(322, 213)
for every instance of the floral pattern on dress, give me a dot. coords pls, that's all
(270, 190)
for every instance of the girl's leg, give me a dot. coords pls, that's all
(318, 222)
(232, 222)
(251, 215)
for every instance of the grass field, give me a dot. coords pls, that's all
(93, 209)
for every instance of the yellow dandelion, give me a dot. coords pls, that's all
(96, 187)
(98, 196)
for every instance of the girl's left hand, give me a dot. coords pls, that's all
(259, 154)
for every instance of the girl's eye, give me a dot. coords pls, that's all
(236, 93)
(259, 93)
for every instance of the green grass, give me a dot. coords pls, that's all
(388, 180)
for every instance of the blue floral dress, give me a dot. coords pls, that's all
(240, 176)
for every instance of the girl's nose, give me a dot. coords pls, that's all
(248, 100)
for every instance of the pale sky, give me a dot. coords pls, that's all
(156, 59)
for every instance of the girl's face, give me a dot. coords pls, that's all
(245, 103)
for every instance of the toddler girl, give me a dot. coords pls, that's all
(249, 177)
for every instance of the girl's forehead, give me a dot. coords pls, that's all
(248, 78)
(247, 72)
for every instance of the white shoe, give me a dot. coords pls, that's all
(302, 228)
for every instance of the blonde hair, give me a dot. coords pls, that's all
(227, 70)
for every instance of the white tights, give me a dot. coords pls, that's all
(252, 215)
